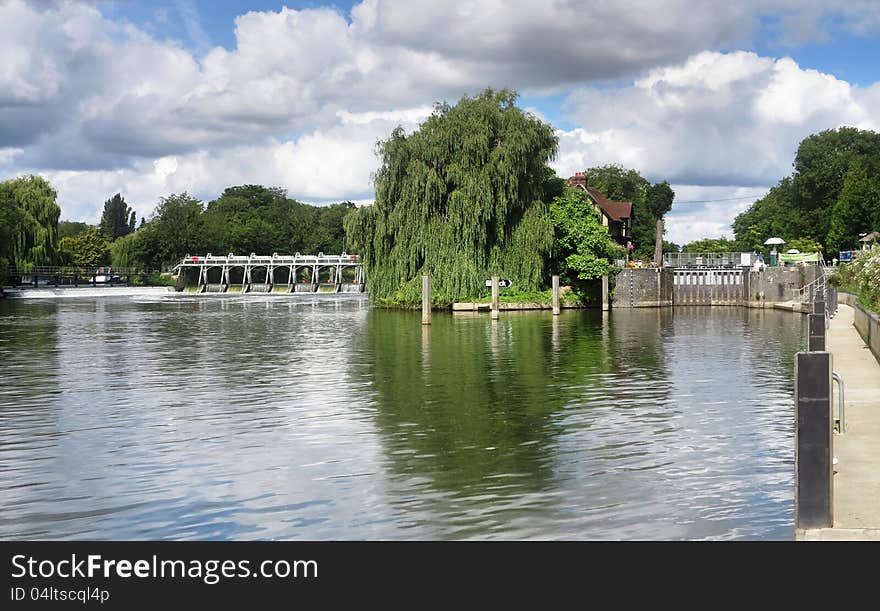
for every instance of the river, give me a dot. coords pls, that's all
(299, 417)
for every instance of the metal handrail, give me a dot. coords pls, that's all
(840, 396)
(818, 283)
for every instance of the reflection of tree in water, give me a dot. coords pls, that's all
(29, 353)
(467, 401)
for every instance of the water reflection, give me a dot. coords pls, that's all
(265, 417)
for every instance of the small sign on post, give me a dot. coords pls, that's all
(501, 283)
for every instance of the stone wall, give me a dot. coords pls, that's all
(639, 288)
(777, 284)
(643, 288)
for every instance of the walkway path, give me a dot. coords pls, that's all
(857, 474)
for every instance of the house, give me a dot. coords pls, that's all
(869, 240)
(617, 216)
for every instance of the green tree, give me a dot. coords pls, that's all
(805, 245)
(29, 202)
(88, 249)
(857, 209)
(262, 220)
(330, 233)
(123, 251)
(175, 229)
(68, 229)
(620, 184)
(10, 217)
(462, 198)
(583, 248)
(823, 199)
(118, 218)
(721, 244)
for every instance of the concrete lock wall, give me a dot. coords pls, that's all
(639, 288)
(643, 288)
(778, 284)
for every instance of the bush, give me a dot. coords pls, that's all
(861, 276)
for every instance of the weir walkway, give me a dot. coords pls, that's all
(856, 494)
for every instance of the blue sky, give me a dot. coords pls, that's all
(153, 98)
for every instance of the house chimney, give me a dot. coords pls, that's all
(578, 180)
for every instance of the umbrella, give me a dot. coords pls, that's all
(792, 251)
(774, 241)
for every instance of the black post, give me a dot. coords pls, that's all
(816, 339)
(35, 281)
(814, 488)
(76, 280)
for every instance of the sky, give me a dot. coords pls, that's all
(154, 98)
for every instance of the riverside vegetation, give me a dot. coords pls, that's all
(467, 195)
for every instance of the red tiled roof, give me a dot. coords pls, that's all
(616, 211)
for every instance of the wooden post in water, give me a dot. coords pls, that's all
(426, 300)
(555, 295)
(604, 293)
(494, 314)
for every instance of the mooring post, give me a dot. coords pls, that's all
(426, 300)
(555, 295)
(816, 338)
(814, 422)
(494, 314)
(604, 293)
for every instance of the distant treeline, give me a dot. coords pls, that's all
(244, 219)
(830, 199)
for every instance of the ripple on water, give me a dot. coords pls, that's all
(277, 418)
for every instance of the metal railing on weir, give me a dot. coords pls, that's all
(709, 259)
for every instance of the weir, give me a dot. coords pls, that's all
(296, 273)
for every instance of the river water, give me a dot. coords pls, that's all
(298, 417)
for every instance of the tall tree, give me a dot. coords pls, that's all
(583, 248)
(258, 219)
(824, 199)
(621, 184)
(10, 218)
(87, 249)
(721, 244)
(117, 219)
(857, 209)
(177, 228)
(69, 229)
(30, 202)
(462, 198)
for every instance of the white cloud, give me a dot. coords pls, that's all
(102, 106)
(707, 212)
(332, 164)
(716, 119)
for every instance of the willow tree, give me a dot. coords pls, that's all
(462, 198)
(35, 239)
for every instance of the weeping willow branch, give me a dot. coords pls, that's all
(462, 198)
(35, 235)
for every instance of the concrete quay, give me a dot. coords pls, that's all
(856, 495)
